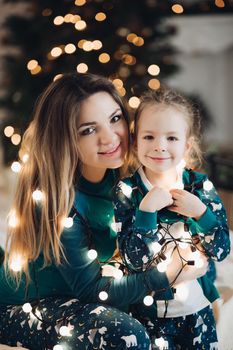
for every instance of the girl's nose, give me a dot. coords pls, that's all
(160, 146)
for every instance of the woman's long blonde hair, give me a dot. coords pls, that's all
(51, 142)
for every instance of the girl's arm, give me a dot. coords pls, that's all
(211, 225)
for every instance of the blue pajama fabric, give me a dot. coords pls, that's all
(192, 332)
(93, 326)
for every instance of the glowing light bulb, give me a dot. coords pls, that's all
(25, 157)
(103, 295)
(148, 300)
(15, 139)
(118, 274)
(162, 266)
(153, 69)
(160, 342)
(65, 331)
(57, 347)
(16, 263)
(92, 254)
(27, 307)
(68, 222)
(134, 102)
(12, 219)
(37, 195)
(126, 189)
(208, 185)
(156, 247)
(16, 167)
(9, 131)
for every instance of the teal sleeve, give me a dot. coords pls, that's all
(212, 227)
(86, 282)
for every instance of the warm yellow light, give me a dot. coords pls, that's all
(219, 3)
(15, 139)
(32, 64)
(80, 2)
(80, 25)
(58, 76)
(138, 41)
(82, 68)
(122, 31)
(13, 221)
(36, 70)
(129, 59)
(154, 84)
(130, 37)
(104, 57)
(97, 44)
(70, 48)
(81, 43)
(58, 20)
(87, 46)
(56, 52)
(25, 157)
(68, 18)
(134, 102)
(153, 69)
(9, 131)
(118, 83)
(75, 18)
(124, 72)
(100, 16)
(176, 8)
(122, 91)
(47, 12)
(16, 263)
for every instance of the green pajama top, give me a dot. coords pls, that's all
(138, 229)
(80, 277)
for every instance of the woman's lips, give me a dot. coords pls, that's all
(111, 151)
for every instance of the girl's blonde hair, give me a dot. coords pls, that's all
(165, 97)
(51, 142)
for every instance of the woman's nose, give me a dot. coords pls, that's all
(108, 136)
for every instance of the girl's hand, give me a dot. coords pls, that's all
(189, 272)
(186, 203)
(156, 199)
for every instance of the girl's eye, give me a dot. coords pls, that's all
(148, 137)
(88, 131)
(116, 118)
(172, 138)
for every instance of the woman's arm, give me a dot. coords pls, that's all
(84, 277)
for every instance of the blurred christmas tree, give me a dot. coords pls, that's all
(126, 40)
(119, 39)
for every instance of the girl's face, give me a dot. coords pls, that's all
(103, 136)
(161, 138)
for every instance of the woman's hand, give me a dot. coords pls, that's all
(186, 203)
(156, 199)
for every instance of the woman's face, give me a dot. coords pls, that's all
(103, 135)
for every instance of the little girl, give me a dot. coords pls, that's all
(162, 209)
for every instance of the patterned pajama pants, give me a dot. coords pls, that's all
(91, 326)
(193, 332)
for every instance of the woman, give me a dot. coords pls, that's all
(62, 218)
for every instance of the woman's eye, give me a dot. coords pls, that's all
(115, 118)
(172, 138)
(148, 137)
(87, 131)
